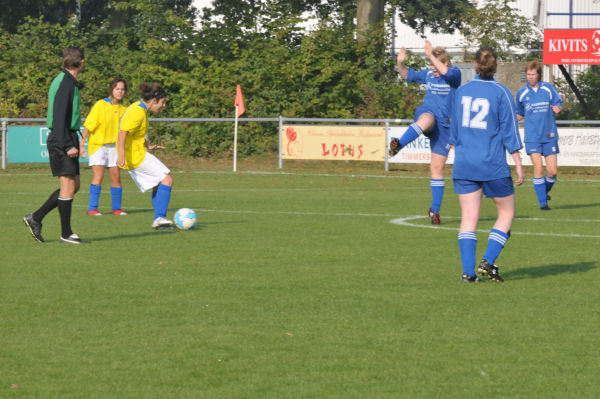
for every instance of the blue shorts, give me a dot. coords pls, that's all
(439, 134)
(492, 188)
(545, 149)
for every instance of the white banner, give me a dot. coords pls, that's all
(579, 146)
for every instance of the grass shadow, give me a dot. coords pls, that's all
(575, 206)
(549, 270)
(136, 235)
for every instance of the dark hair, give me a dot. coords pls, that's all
(152, 91)
(486, 62)
(72, 57)
(537, 66)
(114, 83)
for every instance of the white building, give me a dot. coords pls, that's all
(551, 14)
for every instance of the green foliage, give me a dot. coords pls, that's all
(283, 68)
(588, 84)
(499, 25)
(436, 15)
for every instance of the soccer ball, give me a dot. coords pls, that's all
(185, 218)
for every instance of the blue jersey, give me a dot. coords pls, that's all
(439, 92)
(534, 105)
(484, 126)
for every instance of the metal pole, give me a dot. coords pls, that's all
(387, 136)
(235, 140)
(4, 152)
(280, 141)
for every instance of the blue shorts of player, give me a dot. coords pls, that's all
(545, 149)
(492, 188)
(439, 135)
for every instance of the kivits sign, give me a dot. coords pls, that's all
(571, 46)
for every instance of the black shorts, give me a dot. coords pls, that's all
(60, 163)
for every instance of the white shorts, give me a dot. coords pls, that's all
(149, 174)
(104, 156)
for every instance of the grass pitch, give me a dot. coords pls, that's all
(297, 285)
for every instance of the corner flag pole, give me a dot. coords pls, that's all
(239, 110)
(235, 140)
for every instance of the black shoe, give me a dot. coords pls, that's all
(395, 147)
(491, 271)
(72, 239)
(34, 226)
(435, 217)
(470, 279)
(548, 198)
(545, 208)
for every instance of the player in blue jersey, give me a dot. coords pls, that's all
(537, 102)
(432, 119)
(484, 127)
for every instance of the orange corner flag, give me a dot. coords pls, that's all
(239, 101)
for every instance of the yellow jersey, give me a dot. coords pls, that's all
(135, 122)
(103, 123)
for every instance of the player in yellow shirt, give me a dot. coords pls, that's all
(102, 127)
(145, 169)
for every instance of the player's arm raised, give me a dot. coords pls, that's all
(439, 65)
(402, 69)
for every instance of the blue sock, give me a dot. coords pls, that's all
(496, 242)
(94, 196)
(539, 185)
(160, 201)
(549, 183)
(410, 134)
(154, 200)
(467, 244)
(116, 194)
(437, 193)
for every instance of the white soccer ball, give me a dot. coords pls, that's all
(185, 218)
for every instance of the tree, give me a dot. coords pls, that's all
(500, 26)
(435, 15)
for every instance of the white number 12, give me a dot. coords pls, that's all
(479, 105)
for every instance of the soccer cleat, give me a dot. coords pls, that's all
(548, 198)
(470, 279)
(491, 271)
(72, 239)
(161, 223)
(435, 217)
(395, 147)
(35, 227)
(545, 208)
(120, 212)
(94, 212)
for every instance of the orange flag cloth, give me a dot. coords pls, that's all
(239, 101)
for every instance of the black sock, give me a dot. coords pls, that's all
(64, 208)
(51, 203)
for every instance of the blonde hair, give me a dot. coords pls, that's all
(442, 55)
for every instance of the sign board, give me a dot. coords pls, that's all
(359, 143)
(27, 144)
(578, 147)
(571, 46)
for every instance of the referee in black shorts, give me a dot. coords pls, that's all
(64, 121)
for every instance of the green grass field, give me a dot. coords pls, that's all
(297, 285)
